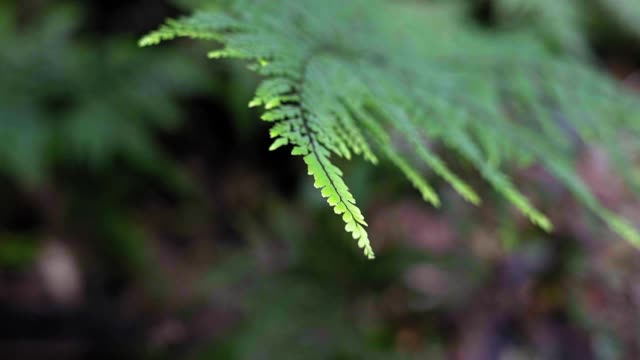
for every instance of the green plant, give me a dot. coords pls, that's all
(67, 100)
(568, 25)
(364, 77)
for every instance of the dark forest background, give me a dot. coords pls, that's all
(141, 216)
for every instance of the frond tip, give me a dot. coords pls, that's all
(328, 178)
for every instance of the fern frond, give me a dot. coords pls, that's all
(204, 26)
(559, 23)
(341, 77)
(567, 25)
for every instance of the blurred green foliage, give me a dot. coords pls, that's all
(571, 26)
(67, 100)
(17, 251)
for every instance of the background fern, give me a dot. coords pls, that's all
(81, 104)
(344, 79)
(568, 26)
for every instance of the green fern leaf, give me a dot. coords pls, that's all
(341, 77)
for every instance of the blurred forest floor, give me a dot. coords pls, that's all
(145, 219)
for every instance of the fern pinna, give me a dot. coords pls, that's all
(346, 78)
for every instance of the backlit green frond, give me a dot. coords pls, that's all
(393, 79)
